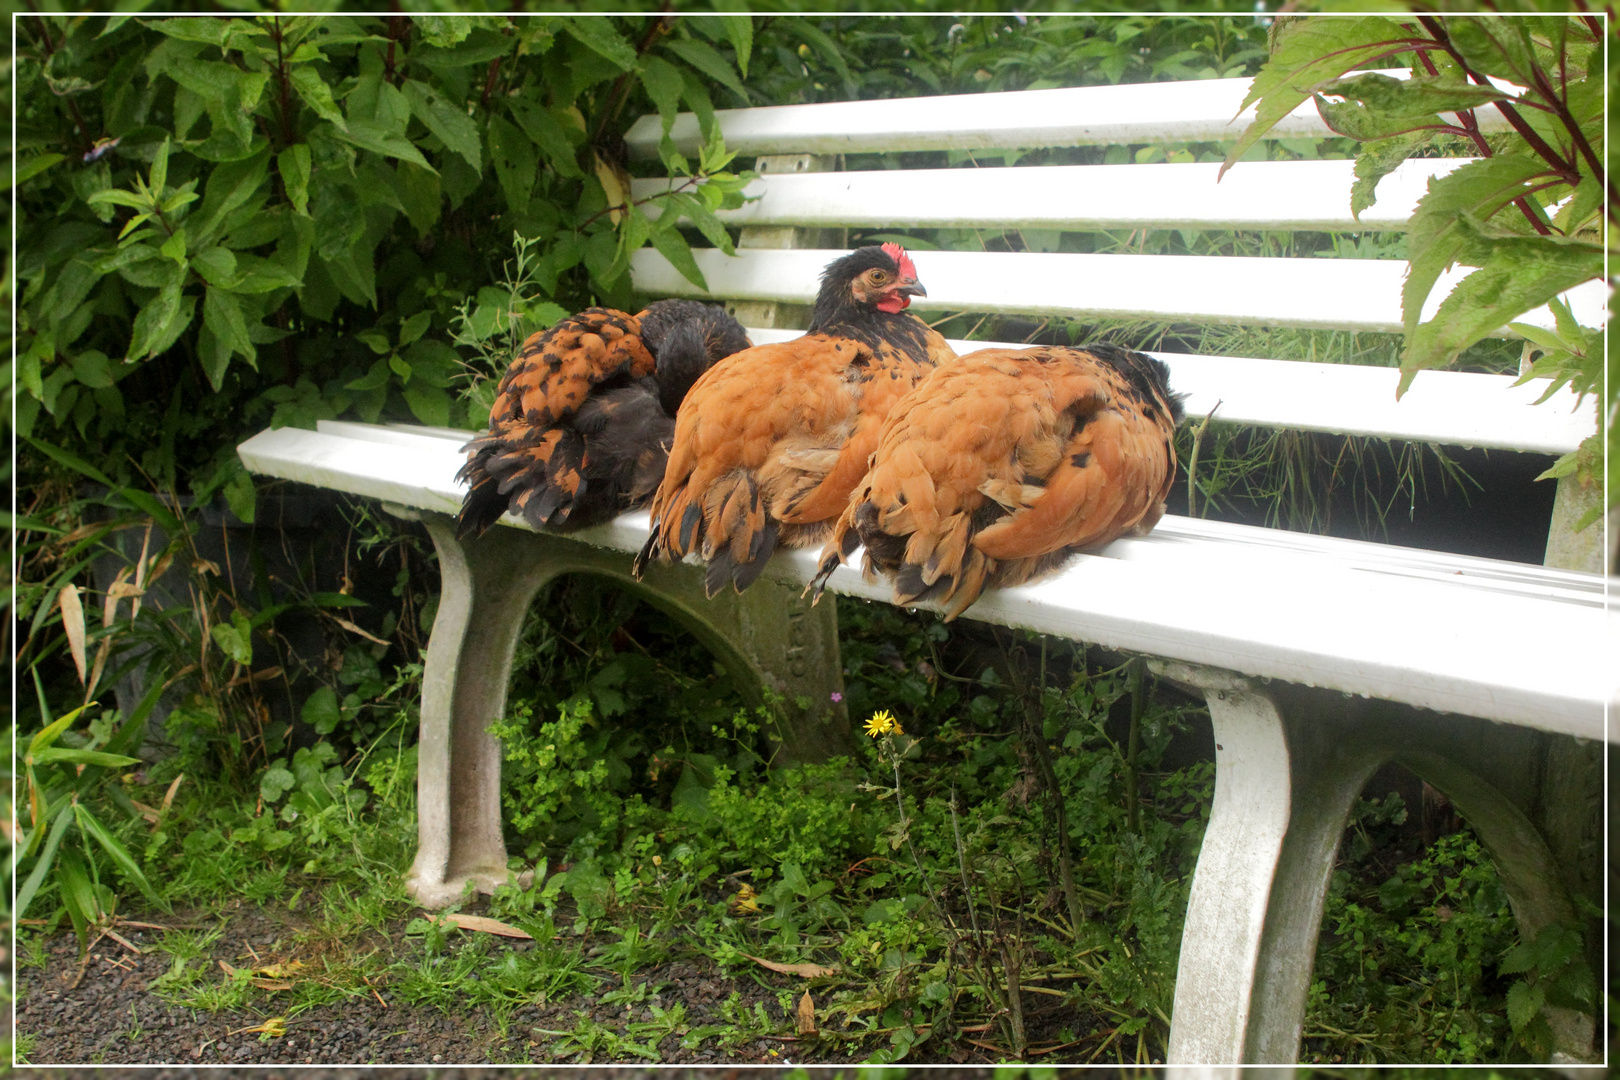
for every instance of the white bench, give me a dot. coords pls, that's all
(1321, 658)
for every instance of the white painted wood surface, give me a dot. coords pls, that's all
(1253, 195)
(1195, 111)
(1318, 294)
(1452, 407)
(1360, 620)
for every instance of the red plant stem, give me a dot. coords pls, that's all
(489, 82)
(282, 102)
(1537, 143)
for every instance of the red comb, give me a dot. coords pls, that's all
(901, 259)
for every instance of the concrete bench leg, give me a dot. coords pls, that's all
(1290, 763)
(767, 639)
(1256, 900)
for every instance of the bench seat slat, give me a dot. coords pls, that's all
(1445, 642)
(1319, 294)
(1193, 111)
(1456, 408)
(1254, 195)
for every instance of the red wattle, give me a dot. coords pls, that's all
(893, 303)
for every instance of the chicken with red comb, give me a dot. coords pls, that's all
(770, 442)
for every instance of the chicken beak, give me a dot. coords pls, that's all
(911, 287)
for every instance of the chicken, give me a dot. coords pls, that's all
(770, 442)
(584, 416)
(998, 467)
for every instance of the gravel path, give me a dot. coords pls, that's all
(113, 1016)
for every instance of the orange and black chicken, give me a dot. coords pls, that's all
(1000, 466)
(584, 416)
(770, 442)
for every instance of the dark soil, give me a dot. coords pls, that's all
(114, 1017)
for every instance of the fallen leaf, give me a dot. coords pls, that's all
(280, 971)
(807, 1015)
(481, 924)
(168, 798)
(271, 984)
(275, 1027)
(809, 971)
(73, 624)
(353, 629)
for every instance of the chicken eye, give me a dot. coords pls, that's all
(879, 277)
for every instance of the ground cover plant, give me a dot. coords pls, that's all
(193, 267)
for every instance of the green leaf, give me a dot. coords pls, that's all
(451, 125)
(548, 133)
(430, 405)
(696, 96)
(294, 165)
(1524, 1004)
(740, 29)
(48, 735)
(153, 322)
(1376, 160)
(826, 46)
(368, 135)
(673, 246)
(599, 36)
(413, 327)
(320, 711)
(275, 783)
(83, 757)
(175, 247)
(1481, 188)
(217, 265)
(374, 379)
(443, 31)
(160, 169)
(208, 31)
(115, 848)
(61, 818)
(222, 315)
(1517, 273)
(1378, 106)
(1308, 54)
(1492, 46)
(664, 84)
(78, 895)
(695, 210)
(93, 369)
(32, 168)
(234, 638)
(241, 495)
(317, 95)
(230, 186)
(419, 194)
(515, 161)
(707, 59)
(119, 197)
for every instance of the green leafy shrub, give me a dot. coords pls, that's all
(240, 221)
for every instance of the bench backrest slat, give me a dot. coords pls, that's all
(1325, 294)
(1282, 195)
(1196, 111)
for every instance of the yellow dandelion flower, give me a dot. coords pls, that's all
(881, 723)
